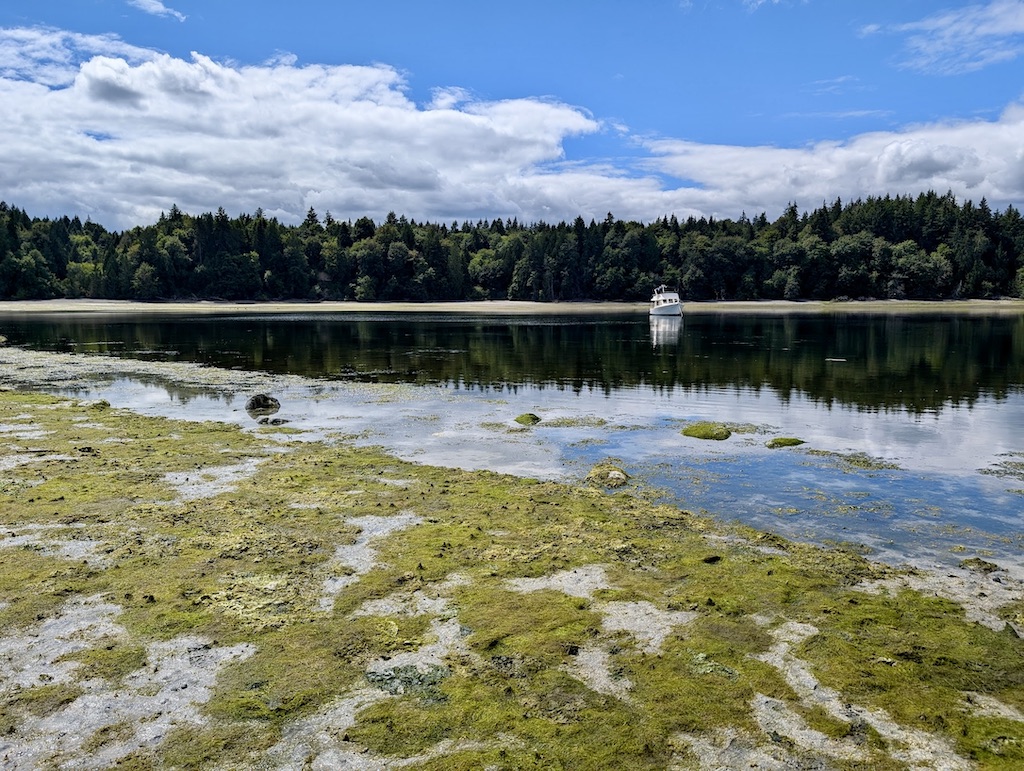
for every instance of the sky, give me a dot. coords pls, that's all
(539, 110)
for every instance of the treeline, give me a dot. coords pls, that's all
(928, 247)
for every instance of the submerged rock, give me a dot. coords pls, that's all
(261, 405)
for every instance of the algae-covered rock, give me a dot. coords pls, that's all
(979, 565)
(411, 680)
(528, 419)
(608, 474)
(783, 441)
(706, 429)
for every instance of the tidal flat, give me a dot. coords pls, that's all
(180, 593)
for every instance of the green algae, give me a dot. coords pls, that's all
(247, 563)
(783, 441)
(856, 460)
(906, 655)
(43, 700)
(583, 421)
(708, 430)
(111, 662)
(1013, 612)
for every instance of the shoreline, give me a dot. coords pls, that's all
(502, 307)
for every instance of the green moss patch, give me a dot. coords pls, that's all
(43, 700)
(527, 419)
(783, 441)
(708, 430)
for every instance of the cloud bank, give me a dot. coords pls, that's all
(98, 128)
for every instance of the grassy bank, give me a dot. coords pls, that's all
(191, 595)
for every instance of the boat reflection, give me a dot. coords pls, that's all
(665, 330)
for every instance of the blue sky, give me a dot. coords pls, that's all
(116, 109)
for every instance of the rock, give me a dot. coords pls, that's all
(261, 405)
(708, 430)
(979, 565)
(608, 475)
(783, 441)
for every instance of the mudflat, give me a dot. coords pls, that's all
(180, 593)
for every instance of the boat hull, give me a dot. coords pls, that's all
(668, 309)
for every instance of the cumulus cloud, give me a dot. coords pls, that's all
(974, 159)
(156, 8)
(963, 39)
(100, 129)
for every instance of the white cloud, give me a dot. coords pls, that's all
(974, 159)
(836, 86)
(839, 114)
(97, 128)
(51, 57)
(156, 8)
(449, 98)
(963, 39)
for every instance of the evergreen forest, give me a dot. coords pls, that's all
(904, 247)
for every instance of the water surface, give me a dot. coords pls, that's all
(937, 397)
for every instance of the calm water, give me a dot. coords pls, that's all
(941, 397)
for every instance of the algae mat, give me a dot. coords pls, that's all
(188, 595)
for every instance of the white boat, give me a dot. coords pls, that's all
(665, 302)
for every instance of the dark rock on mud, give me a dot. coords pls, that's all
(261, 405)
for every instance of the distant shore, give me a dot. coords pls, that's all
(502, 307)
